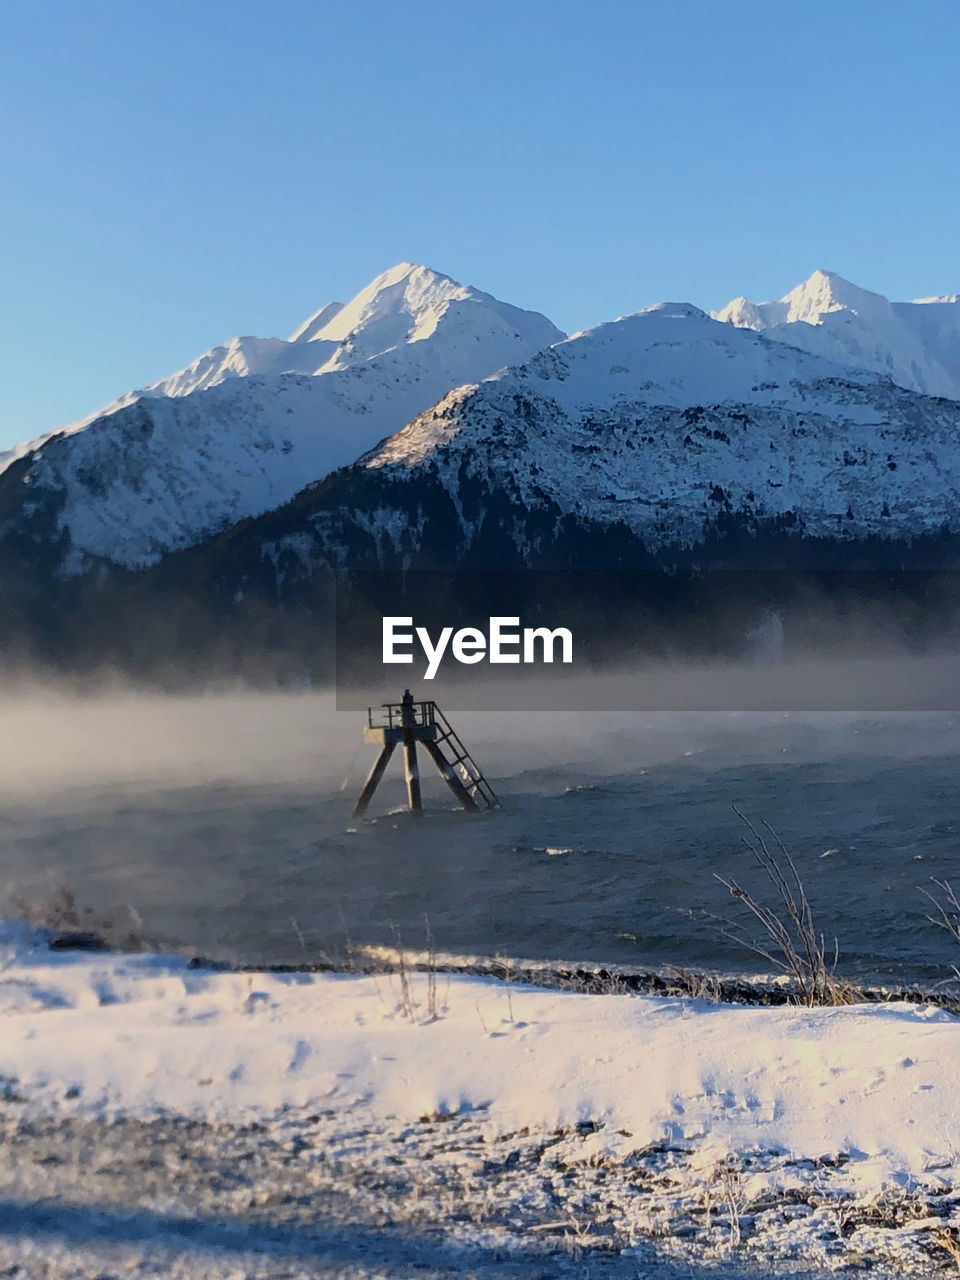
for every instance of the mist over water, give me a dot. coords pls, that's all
(225, 821)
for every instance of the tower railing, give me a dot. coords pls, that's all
(395, 715)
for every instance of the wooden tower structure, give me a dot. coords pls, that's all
(408, 722)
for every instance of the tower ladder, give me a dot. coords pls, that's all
(470, 772)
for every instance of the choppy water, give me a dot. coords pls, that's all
(225, 823)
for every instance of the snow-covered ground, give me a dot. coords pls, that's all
(524, 1127)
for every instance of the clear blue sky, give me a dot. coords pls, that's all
(176, 172)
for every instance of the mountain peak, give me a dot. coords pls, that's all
(821, 278)
(674, 310)
(313, 324)
(914, 343)
(937, 299)
(826, 291)
(742, 314)
(821, 293)
(394, 305)
(405, 270)
(392, 289)
(411, 302)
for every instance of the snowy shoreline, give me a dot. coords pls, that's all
(589, 978)
(611, 1122)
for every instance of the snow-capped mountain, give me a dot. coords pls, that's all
(657, 438)
(666, 439)
(917, 344)
(249, 423)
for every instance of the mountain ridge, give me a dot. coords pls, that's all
(404, 304)
(666, 421)
(666, 440)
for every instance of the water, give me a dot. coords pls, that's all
(227, 824)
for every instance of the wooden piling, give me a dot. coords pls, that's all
(373, 779)
(412, 772)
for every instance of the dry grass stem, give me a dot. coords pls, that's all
(794, 946)
(406, 997)
(948, 910)
(432, 1010)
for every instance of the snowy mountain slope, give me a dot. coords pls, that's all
(648, 419)
(250, 423)
(915, 343)
(662, 431)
